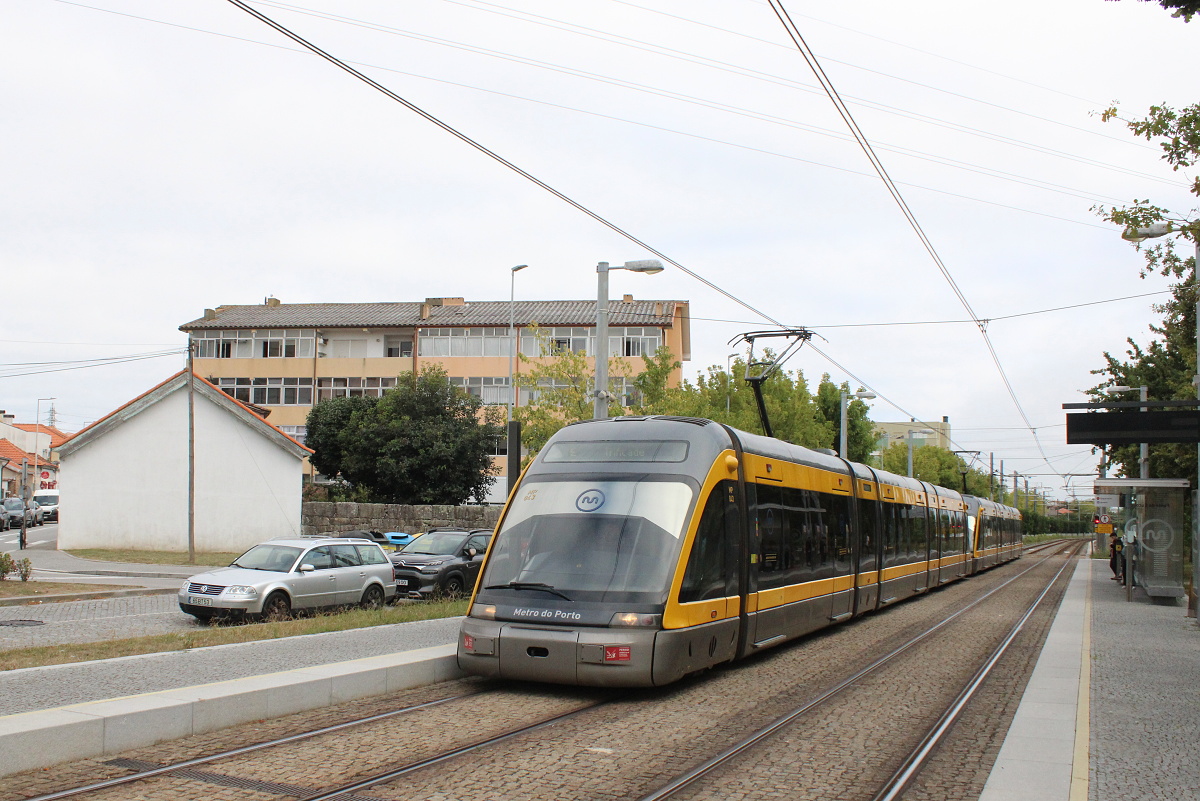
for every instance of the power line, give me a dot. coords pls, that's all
(843, 111)
(722, 108)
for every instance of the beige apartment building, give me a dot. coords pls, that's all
(284, 357)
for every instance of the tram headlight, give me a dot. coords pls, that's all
(484, 611)
(639, 619)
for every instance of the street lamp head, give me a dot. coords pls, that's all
(1149, 232)
(648, 266)
(1116, 389)
(519, 267)
(865, 395)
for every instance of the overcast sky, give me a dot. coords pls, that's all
(160, 158)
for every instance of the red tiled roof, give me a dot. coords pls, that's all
(257, 415)
(14, 455)
(56, 437)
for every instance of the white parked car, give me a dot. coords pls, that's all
(278, 576)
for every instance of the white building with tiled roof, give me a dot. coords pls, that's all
(286, 356)
(125, 478)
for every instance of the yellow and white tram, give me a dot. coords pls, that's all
(637, 550)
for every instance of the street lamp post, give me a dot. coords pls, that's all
(648, 266)
(843, 446)
(513, 458)
(1144, 448)
(512, 338)
(908, 437)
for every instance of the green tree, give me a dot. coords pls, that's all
(860, 432)
(1183, 9)
(652, 393)
(1166, 364)
(424, 442)
(937, 466)
(561, 384)
(326, 424)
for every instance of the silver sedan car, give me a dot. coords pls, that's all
(272, 579)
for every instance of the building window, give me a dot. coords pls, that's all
(636, 341)
(281, 343)
(269, 391)
(491, 390)
(463, 342)
(353, 387)
(398, 347)
(297, 433)
(347, 348)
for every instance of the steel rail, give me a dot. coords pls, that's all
(913, 763)
(686, 779)
(386, 776)
(245, 749)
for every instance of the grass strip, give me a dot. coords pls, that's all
(31, 589)
(217, 634)
(216, 559)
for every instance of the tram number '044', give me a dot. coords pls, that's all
(554, 614)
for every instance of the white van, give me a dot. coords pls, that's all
(48, 500)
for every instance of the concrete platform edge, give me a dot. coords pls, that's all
(49, 737)
(1037, 759)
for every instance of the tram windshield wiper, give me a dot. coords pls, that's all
(528, 585)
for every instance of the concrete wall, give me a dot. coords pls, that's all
(322, 517)
(129, 488)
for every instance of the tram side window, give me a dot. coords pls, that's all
(837, 520)
(872, 532)
(918, 538)
(893, 545)
(771, 543)
(949, 545)
(707, 572)
(803, 516)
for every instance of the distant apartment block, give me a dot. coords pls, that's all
(284, 357)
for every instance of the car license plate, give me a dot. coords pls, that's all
(196, 600)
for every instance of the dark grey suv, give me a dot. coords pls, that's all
(444, 561)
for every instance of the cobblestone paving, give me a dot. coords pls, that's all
(94, 620)
(1145, 704)
(618, 750)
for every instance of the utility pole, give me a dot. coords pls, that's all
(191, 407)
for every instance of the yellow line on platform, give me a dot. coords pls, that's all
(1081, 762)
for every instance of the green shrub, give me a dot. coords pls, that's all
(7, 565)
(24, 568)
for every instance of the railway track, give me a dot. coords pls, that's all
(539, 725)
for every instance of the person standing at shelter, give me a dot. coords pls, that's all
(1116, 558)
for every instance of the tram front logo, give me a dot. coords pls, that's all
(590, 500)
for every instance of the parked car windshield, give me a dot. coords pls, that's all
(268, 557)
(13, 503)
(46, 500)
(436, 543)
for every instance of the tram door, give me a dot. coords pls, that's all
(841, 533)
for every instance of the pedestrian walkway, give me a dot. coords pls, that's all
(1111, 711)
(1113, 707)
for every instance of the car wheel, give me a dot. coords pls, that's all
(453, 587)
(277, 607)
(372, 597)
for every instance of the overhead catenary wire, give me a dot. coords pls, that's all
(613, 226)
(723, 108)
(844, 112)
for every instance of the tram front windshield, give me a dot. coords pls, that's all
(612, 540)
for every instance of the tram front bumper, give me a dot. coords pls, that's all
(598, 657)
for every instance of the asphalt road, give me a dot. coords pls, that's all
(38, 537)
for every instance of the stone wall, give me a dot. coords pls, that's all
(319, 517)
